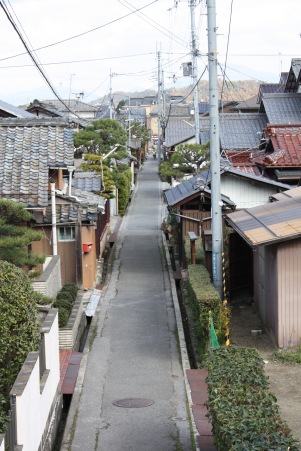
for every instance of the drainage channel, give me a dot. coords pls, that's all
(67, 398)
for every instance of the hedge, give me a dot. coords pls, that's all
(64, 302)
(204, 298)
(244, 413)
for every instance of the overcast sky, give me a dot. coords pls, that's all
(87, 40)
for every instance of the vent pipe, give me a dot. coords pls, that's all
(53, 215)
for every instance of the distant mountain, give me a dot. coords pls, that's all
(234, 90)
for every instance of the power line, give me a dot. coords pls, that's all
(82, 34)
(228, 40)
(81, 61)
(30, 53)
(149, 20)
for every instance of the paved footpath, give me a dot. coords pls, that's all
(132, 356)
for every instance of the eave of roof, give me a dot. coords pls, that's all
(186, 191)
(268, 224)
(255, 178)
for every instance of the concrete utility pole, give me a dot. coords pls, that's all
(159, 108)
(129, 125)
(111, 99)
(194, 54)
(216, 202)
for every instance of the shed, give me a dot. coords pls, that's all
(273, 232)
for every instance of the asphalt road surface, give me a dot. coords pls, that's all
(132, 395)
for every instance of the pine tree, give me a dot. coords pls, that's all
(16, 236)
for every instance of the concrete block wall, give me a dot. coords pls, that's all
(38, 396)
(50, 282)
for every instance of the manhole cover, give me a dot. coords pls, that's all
(132, 403)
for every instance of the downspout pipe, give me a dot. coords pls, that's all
(70, 170)
(53, 215)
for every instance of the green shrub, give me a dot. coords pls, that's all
(244, 413)
(63, 303)
(63, 316)
(70, 288)
(42, 299)
(19, 327)
(203, 298)
(65, 296)
(123, 181)
(199, 251)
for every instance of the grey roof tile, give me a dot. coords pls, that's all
(178, 130)
(27, 148)
(241, 131)
(14, 111)
(238, 131)
(87, 181)
(284, 108)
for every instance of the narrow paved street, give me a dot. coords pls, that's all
(133, 356)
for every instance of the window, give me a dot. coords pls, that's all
(67, 233)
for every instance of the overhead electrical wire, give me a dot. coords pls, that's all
(82, 34)
(30, 53)
(155, 24)
(81, 61)
(185, 97)
(228, 40)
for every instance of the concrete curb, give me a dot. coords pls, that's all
(182, 341)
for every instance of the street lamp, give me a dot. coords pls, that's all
(106, 156)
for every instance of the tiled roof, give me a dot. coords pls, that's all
(238, 131)
(241, 131)
(14, 111)
(203, 107)
(178, 110)
(270, 88)
(243, 161)
(48, 108)
(178, 130)
(136, 114)
(250, 105)
(67, 207)
(294, 76)
(282, 108)
(139, 101)
(28, 148)
(286, 143)
(283, 77)
(87, 181)
(103, 112)
(73, 104)
(189, 189)
(252, 177)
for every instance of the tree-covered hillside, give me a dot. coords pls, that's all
(232, 90)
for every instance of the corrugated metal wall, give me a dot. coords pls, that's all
(246, 193)
(289, 289)
(268, 308)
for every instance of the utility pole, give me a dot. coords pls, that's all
(159, 108)
(216, 202)
(194, 54)
(129, 119)
(111, 99)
